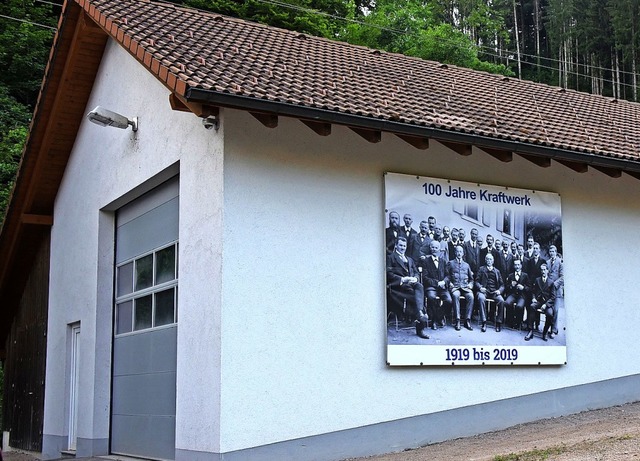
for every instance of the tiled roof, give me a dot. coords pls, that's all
(199, 54)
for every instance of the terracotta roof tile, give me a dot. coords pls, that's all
(223, 55)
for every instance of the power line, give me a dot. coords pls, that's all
(49, 3)
(395, 31)
(515, 53)
(572, 73)
(28, 22)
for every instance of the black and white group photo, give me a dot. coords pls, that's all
(472, 265)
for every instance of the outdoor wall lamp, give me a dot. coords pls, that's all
(104, 117)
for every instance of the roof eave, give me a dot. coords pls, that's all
(73, 63)
(241, 102)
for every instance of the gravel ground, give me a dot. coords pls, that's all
(610, 434)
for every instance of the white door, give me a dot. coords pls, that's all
(74, 373)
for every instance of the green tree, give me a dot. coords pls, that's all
(625, 19)
(411, 27)
(24, 49)
(10, 151)
(314, 17)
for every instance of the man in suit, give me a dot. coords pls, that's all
(432, 226)
(408, 232)
(460, 281)
(472, 250)
(504, 263)
(513, 246)
(444, 246)
(532, 267)
(489, 285)
(434, 273)
(393, 231)
(420, 241)
(489, 249)
(543, 298)
(460, 238)
(403, 280)
(446, 234)
(517, 288)
(533, 264)
(556, 275)
(453, 242)
(528, 252)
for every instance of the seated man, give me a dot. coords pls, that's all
(460, 281)
(517, 291)
(434, 272)
(489, 285)
(543, 298)
(403, 280)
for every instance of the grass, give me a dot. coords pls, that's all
(532, 455)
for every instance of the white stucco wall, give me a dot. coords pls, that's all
(106, 164)
(303, 317)
(281, 310)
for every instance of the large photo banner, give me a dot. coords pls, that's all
(474, 274)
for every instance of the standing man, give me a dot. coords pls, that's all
(453, 242)
(489, 285)
(543, 298)
(505, 261)
(408, 232)
(514, 249)
(528, 252)
(556, 275)
(472, 250)
(434, 273)
(393, 231)
(403, 280)
(444, 246)
(460, 281)
(446, 234)
(432, 226)
(517, 291)
(420, 240)
(462, 236)
(532, 266)
(489, 249)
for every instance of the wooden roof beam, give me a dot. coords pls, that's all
(633, 174)
(575, 166)
(39, 220)
(320, 128)
(268, 120)
(372, 136)
(418, 142)
(179, 103)
(611, 172)
(461, 149)
(544, 162)
(502, 155)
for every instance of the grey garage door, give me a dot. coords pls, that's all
(143, 404)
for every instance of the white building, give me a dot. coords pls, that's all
(255, 325)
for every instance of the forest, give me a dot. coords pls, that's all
(584, 45)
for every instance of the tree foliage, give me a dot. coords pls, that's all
(588, 45)
(24, 49)
(413, 28)
(314, 17)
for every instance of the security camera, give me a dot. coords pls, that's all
(210, 122)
